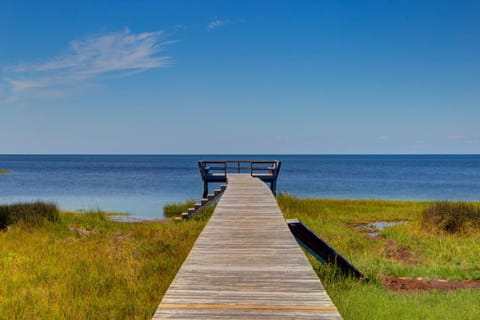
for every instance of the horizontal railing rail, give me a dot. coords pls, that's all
(238, 165)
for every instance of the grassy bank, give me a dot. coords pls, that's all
(88, 267)
(407, 250)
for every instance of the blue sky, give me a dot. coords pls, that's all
(239, 77)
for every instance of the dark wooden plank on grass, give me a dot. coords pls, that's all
(246, 265)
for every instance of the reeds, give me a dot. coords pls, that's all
(30, 213)
(175, 209)
(85, 266)
(452, 217)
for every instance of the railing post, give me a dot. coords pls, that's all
(273, 186)
(205, 188)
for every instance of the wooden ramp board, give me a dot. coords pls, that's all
(246, 264)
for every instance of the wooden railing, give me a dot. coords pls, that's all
(217, 171)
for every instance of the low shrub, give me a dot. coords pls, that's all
(451, 217)
(174, 209)
(30, 213)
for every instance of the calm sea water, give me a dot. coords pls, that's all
(142, 184)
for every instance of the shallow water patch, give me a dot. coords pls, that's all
(373, 229)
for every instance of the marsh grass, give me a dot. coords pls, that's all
(429, 255)
(108, 270)
(30, 213)
(176, 208)
(3, 171)
(452, 217)
(115, 270)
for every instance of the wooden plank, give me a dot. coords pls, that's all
(246, 265)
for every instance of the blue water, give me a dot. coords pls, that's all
(142, 184)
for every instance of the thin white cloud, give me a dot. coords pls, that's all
(25, 84)
(217, 23)
(122, 53)
(457, 138)
(461, 139)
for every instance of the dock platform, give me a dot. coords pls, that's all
(215, 171)
(246, 264)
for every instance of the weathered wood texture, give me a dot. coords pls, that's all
(246, 265)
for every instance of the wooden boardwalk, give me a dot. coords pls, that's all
(246, 265)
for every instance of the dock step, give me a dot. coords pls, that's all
(203, 203)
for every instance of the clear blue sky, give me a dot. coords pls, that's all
(239, 77)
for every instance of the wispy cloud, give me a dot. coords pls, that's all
(121, 53)
(462, 139)
(457, 138)
(217, 23)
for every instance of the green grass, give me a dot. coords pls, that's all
(371, 301)
(177, 208)
(432, 254)
(88, 267)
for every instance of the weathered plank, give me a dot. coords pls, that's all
(246, 265)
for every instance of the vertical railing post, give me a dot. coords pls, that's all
(205, 188)
(273, 186)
